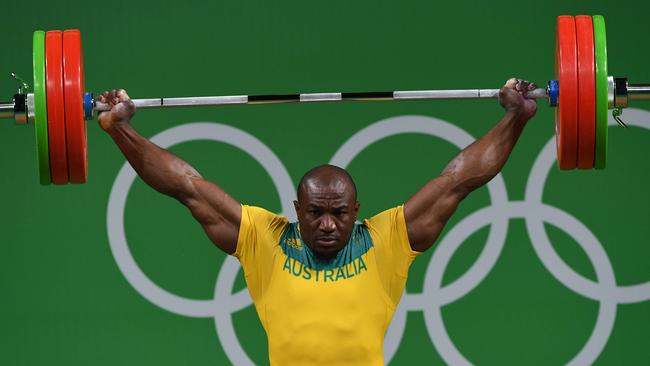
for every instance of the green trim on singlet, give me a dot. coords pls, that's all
(292, 245)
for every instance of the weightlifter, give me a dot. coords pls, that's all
(325, 288)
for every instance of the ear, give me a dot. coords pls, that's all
(296, 206)
(357, 205)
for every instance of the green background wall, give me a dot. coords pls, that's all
(65, 301)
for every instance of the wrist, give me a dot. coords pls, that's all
(118, 128)
(513, 113)
(517, 114)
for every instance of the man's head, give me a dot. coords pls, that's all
(327, 209)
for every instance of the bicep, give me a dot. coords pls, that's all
(218, 213)
(427, 212)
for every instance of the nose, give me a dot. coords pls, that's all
(327, 224)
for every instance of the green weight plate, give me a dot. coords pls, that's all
(600, 43)
(40, 109)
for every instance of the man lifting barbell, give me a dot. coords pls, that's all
(326, 287)
(581, 91)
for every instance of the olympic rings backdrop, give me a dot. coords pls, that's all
(540, 267)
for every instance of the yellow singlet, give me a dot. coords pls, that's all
(319, 312)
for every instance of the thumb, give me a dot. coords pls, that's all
(511, 83)
(122, 96)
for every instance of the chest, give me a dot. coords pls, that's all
(349, 282)
(307, 310)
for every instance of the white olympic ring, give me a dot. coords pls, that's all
(498, 215)
(139, 280)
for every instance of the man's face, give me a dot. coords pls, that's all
(327, 210)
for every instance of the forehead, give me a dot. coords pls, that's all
(335, 190)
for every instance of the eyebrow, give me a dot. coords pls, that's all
(314, 205)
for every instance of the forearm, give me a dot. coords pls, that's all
(430, 208)
(481, 161)
(160, 169)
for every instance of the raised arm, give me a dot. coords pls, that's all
(427, 212)
(216, 211)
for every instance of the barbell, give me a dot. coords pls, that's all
(581, 91)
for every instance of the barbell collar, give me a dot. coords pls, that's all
(20, 108)
(620, 93)
(31, 106)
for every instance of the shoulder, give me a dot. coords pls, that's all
(259, 213)
(388, 229)
(262, 219)
(386, 218)
(259, 228)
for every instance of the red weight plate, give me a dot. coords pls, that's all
(55, 106)
(586, 91)
(74, 114)
(566, 72)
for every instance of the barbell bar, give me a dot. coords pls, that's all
(581, 91)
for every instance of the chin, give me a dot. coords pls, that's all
(327, 253)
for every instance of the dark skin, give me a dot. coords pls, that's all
(327, 209)
(327, 206)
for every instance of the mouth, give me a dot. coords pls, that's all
(326, 241)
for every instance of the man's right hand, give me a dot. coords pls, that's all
(513, 96)
(122, 109)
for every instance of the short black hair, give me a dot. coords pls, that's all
(311, 172)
